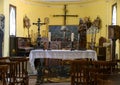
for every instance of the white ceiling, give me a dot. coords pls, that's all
(52, 3)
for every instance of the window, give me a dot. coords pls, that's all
(12, 15)
(114, 14)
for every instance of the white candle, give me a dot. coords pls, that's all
(49, 36)
(72, 36)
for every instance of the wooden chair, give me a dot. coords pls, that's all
(3, 73)
(4, 59)
(108, 79)
(21, 75)
(101, 50)
(11, 72)
(80, 72)
(101, 67)
(116, 68)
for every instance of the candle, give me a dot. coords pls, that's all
(72, 36)
(49, 36)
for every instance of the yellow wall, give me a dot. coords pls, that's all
(6, 31)
(1, 6)
(100, 8)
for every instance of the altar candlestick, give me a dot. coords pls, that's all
(49, 36)
(78, 36)
(72, 37)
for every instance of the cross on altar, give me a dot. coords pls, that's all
(39, 24)
(65, 14)
(39, 36)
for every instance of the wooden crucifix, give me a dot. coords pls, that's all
(39, 23)
(65, 14)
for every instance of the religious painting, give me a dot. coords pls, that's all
(59, 33)
(63, 34)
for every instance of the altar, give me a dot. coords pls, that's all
(60, 54)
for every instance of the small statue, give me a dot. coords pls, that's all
(26, 24)
(97, 23)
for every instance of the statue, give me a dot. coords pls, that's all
(96, 25)
(26, 24)
(84, 25)
(2, 18)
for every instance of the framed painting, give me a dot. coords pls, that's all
(63, 34)
(59, 32)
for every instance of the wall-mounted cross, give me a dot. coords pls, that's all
(65, 14)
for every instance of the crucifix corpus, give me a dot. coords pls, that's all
(39, 23)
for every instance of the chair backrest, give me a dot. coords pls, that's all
(22, 65)
(11, 71)
(101, 50)
(80, 72)
(103, 66)
(21, 69)
(101, 41)
(3, 73)
(4, 59)
(116, 66)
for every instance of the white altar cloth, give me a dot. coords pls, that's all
(60, 54)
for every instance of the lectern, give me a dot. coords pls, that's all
(113, 34)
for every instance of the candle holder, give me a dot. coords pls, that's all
(72, 45)
(49, 45)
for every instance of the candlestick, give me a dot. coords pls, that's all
(49, 36)
(49, 46)
(78, 36)
(72, 46)
(72, 37)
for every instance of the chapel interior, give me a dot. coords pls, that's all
(65, 38)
